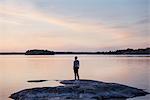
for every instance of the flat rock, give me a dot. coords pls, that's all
(80, 90)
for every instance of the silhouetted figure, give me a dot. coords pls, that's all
(76, 65)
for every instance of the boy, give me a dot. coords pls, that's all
(76, 67)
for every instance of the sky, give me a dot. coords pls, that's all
(74, 25)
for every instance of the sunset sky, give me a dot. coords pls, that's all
(74, 25)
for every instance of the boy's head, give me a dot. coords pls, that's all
(76, 57)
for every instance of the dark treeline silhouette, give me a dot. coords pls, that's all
(117, 52)
(47, 52)
(128, 51)
(39, 52)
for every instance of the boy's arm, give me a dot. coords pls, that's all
(73, 63)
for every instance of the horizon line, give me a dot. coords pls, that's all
(72, 50)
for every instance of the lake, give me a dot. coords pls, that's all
(16, 70)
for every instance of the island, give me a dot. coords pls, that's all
(80, 90)
(39, 52)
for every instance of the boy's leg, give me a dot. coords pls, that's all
(74, 74)
(77, 74)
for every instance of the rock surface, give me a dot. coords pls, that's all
(80, 90)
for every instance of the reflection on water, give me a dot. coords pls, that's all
(15, 71)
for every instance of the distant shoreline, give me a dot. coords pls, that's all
(12, 53)
(145, 51)
(69, 54)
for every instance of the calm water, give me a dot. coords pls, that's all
(16, 70)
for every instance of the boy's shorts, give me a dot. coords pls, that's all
(76, 69)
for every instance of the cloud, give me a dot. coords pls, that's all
(77, 25)
(68, 31)
(143, 21)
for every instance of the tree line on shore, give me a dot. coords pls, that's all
(117, 52)
(145, 51)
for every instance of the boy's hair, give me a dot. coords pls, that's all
(75, 57)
